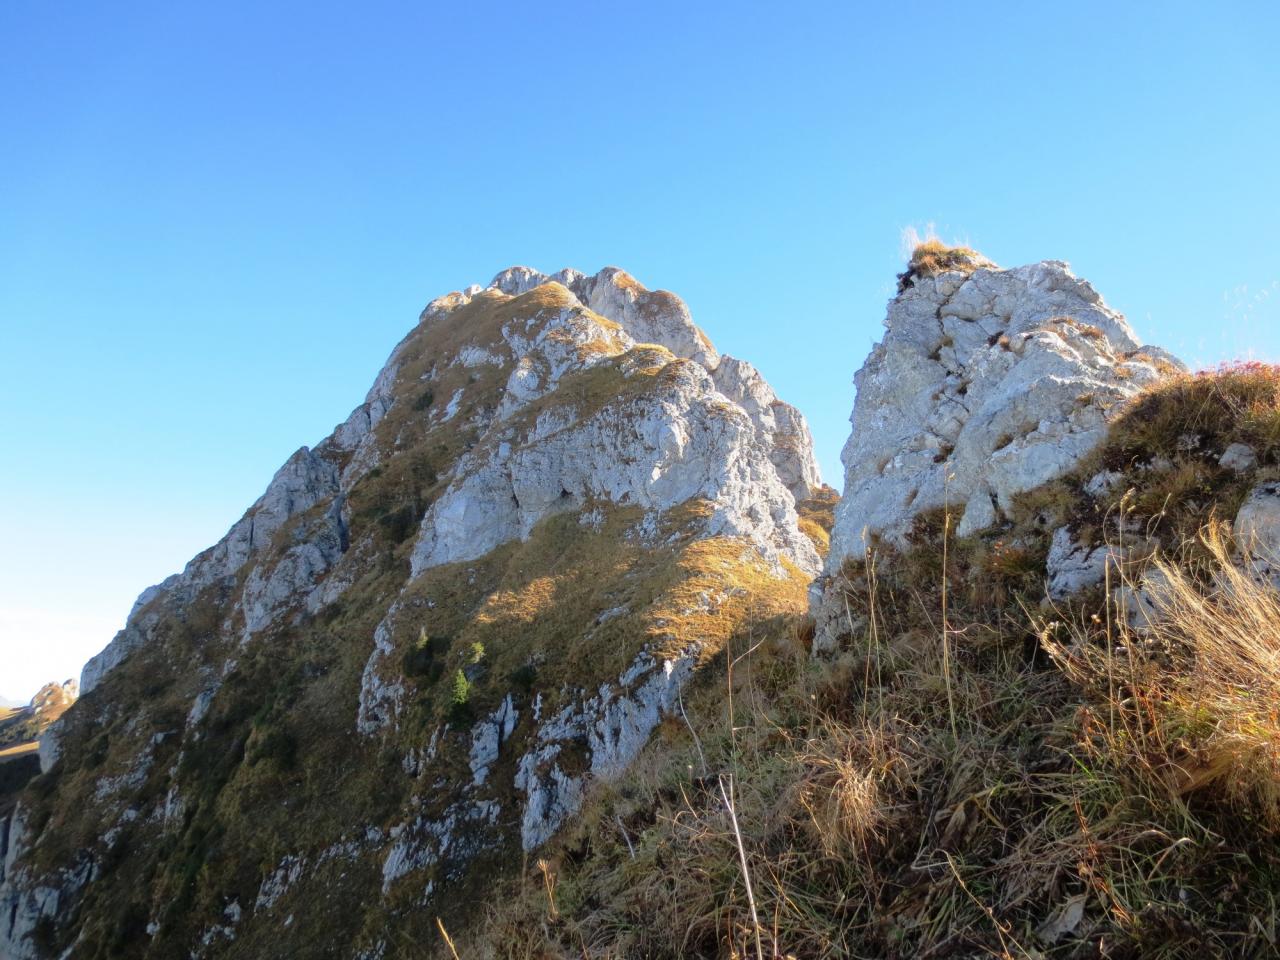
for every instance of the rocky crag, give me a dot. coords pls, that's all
(30, 721)
(988, 384)
(406, 664)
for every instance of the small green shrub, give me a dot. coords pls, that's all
(460, 709)
(130, 928)
(277, 745)
(45, 933)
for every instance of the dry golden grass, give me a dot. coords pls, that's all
(1086, 330)
(18, 750)
(933, 257)
(1163, 449)
(1206, 411)
(967, 793)
(843, 788)
(818, 535)
(1189, 693)
(573, 594)
(817, 517)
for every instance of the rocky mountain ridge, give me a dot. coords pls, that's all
(483, 592)
(503, 602)
(1050, 735)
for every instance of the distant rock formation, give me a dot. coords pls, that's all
(32, 720)
(426, 639)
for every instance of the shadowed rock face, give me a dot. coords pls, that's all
(984, 386)
(410, 659)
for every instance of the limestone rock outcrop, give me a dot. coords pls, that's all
(655, 450)
(1257, 531)
(985, 385)
(48, 706)
(649, 316)
(1072, 567)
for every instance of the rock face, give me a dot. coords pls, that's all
(654, 448)
(649, 316)
(1072, 567)
(1257, 531)
(426, 640)
(53, 700)
(304, 480)
(985, 385)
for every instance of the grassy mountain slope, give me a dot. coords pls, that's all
(216, 788)
(978, 771)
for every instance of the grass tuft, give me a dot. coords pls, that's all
(933, 257)
(1186, 688)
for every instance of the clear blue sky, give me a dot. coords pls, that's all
(217, 219)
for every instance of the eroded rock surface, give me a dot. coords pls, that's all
(984, 386)
(1257, 531)
(649, 316)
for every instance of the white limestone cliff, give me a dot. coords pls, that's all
(984, 386)
(781, 454)
(657, 450)
(660, 317)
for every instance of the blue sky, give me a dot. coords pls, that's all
(217, 219)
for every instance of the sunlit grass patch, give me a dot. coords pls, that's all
(933, 257)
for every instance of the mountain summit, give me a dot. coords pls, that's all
(412, 655)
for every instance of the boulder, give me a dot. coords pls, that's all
(1072, 566)
(1239, 458)
(1257, 530)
